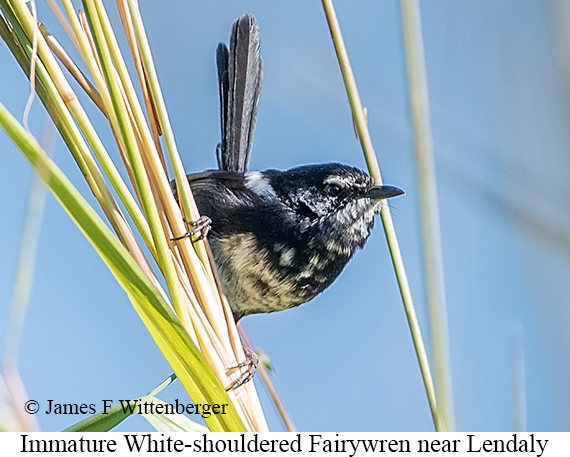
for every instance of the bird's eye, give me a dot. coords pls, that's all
(333, 189)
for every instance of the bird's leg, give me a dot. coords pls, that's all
(201, 226)
(250, 362)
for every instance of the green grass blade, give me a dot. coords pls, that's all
(106, 421)
(102, 422)
(173, 341)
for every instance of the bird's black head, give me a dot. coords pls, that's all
(319, 191)
(333, 201)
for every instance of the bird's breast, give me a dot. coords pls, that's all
(263, 278)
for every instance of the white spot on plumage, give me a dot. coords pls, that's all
(256, 182)
(287, 256)
(278, 247)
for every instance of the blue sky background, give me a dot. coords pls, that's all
(345, 361)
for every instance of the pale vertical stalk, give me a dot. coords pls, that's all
(359, 119)
(23, 284)
(268, 382)
(429, 212)
(518, 384)
(27, 259)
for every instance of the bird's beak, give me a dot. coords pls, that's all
(382, 192)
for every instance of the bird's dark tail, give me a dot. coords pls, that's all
(240, 76)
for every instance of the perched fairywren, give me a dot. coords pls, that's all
(278, 238)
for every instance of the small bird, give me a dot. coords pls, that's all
(279, 238)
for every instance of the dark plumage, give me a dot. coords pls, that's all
(279, 238)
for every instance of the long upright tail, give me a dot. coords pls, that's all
(240, 76)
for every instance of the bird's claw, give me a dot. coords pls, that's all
(251, 361)
(201, 226)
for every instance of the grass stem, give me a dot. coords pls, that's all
(359, 119)
(429, 212)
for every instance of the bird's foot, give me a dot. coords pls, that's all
(201, 226)
(250, 363)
